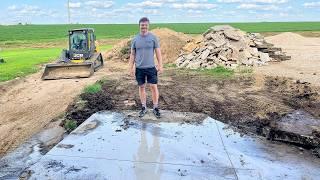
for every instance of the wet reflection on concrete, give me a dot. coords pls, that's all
(123, 147)
(148, 154)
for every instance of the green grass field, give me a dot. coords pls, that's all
(44, 33)
(21, 62)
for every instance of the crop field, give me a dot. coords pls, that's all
(25, 60)
(38, 33)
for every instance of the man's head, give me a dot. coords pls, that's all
(144, 25)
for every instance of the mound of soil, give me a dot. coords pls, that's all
(255, 104)
(287, 38)
(171, 43)
(305, 58)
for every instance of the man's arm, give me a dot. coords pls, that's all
(159, 58)
(131, 62)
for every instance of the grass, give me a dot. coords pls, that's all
(244, 70)
(105, 47)
(17, 34)
(94, 88)
(21, 62)
(24, 61)
(70, 125)
(170, 65)
(218, 72)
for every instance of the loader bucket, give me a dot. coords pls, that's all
(67, 71)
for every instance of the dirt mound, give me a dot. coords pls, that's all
(287, 38)
(305, 58)
(171, 43)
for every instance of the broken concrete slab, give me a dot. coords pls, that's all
(297, 127)
(124, 147)
(231, 34)
(219, 38)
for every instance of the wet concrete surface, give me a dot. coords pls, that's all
(121, 146)
(29, 152)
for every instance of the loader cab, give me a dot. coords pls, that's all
(81, 43)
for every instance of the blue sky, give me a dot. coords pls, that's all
(159, 11)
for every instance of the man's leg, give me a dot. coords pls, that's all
(141, 79)
(155, 95)
(143, 99)
(155, 100)
(143, 95)
(152, 79)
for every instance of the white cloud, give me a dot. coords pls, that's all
(74, 5)
(30, 11)
(255, 1)
(312, 4)
(99, 4)
(258, 7)
(193, 5)
(12, 8)
(146, 4)
(151, 11)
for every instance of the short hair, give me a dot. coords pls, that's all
(144, 19)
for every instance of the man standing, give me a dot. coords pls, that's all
(143, 47)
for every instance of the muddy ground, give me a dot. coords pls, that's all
(252, 103)
(28, 104)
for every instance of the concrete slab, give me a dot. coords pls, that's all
(267, 160)
(29, 152)
(112, 145)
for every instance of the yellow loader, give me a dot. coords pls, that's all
(80, 61)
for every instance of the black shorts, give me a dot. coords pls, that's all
(151, 74)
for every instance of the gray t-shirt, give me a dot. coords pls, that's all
(144, 47)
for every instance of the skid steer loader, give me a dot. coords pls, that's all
(80, 61)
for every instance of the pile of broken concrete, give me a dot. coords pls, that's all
(226, 46)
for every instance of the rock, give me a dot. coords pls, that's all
(205, 54)
(210, 48)
(228, 46)
(219, 42)
(184, 64)
(221, 28)
(222, 58)
(254, 52)
(247, 53)
(189, 57)
(231, 34)
(180, 60)
(264, 57)
(247, 62)
(216, 51)
(129, 103)
(227, 53)
(208, 37)
(194, 65)
(211, 66)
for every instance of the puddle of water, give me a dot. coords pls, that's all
(13, 164)
(122, 147)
